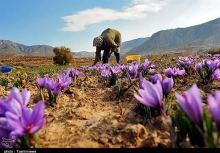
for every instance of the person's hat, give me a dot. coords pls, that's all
(97, 41)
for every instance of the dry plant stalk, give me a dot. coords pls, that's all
(120, 107)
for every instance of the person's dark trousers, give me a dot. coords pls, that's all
(105, 55)
(117, 55)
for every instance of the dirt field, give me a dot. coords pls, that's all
(90, 116)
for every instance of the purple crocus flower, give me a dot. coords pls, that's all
(14, 101)
(191, 103)
(57, 89)
(151, 71)
(167, 85)
(216, 75)
(151, 94)
(156, 77)
(152, 66)
(116, 69)
(64, 80)
(30, 122)
(22, 97)
(174, 72)
(133, 68)
(214, 107)
(9, 104)
(199, 66)
(181, 63)
(68, 70)
(145, 64)
(123, 67)
(83, 68)
(41, 81)
(50, 83)
(105, 73)
(77, 73)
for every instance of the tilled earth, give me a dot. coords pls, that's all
(92, 116)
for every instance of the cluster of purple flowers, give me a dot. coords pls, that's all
(208, 69)
(147, 64)
(53, 87)
(185, 63)
(173, 72)
(16, 120)
(151, 93)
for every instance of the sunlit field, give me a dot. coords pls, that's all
(165, 101)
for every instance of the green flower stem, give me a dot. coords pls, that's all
(36, 141)
(26, 141)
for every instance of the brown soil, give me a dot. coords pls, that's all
(90, 116)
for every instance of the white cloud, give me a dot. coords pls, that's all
(137, 10)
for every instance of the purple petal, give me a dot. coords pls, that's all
(37, 127)
(214, 108)
(26, 116)
(13, 121)
(196, 101)
(38, 111)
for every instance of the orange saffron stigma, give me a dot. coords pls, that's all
(28, 128)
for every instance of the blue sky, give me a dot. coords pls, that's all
(74, 23)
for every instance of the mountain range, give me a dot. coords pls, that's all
(198, 38)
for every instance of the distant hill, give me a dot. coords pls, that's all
(197, 37)
(9, 48)
(83, 54)
(128, 45)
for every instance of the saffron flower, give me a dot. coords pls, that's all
(156, 77)
(174, 72)
(145, 64)
(191, 103)
(167, 85)
(41, 82)
(22, 97)
(50, 83)
(105, 73)
(57, 89)
(64, 80)
(9, 104)
(151, 71)
(199, 66)
(216, 75)
(151, 94)
(214, 107)
(133, 68)
(30, 122)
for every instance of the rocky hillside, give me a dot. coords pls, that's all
(197, 37)
(9, 48)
